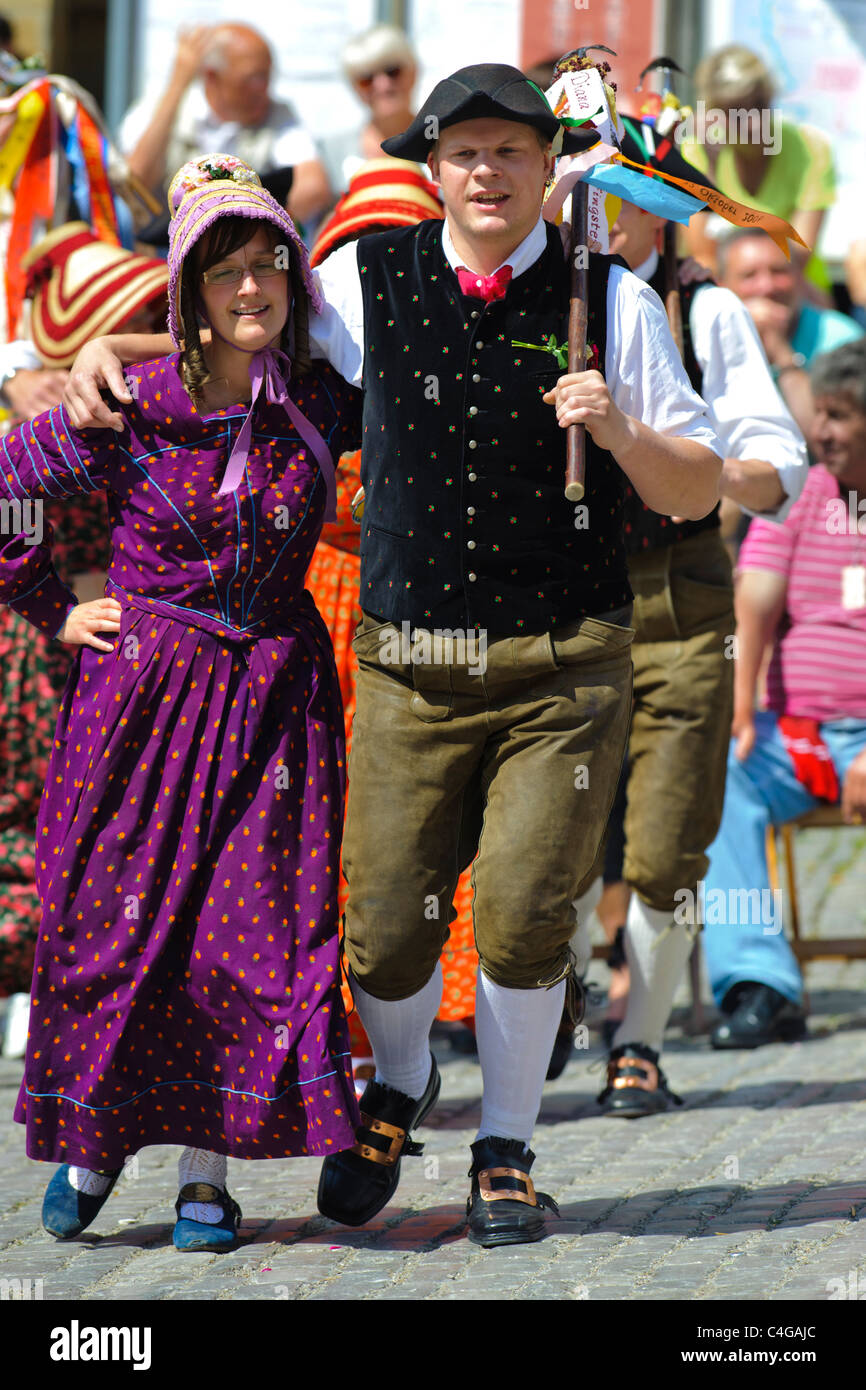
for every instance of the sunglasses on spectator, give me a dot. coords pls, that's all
(233, 274)
(369, 78)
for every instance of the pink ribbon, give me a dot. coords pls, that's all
(267, 368)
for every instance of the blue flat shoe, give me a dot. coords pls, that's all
(67, 1212)
(204, 1235)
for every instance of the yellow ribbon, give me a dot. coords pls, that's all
(17, 143)
(732, 211)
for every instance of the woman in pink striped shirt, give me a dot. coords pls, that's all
(801, 586)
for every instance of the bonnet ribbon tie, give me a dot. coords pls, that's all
(273, 368)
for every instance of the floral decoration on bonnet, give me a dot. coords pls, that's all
(216, 168)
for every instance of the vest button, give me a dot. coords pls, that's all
(470, 545)
(474, 314)
(473, 410)
(472, 477)
(470, 511)
(476, 377)
(473, 444)
(479, 343)
(472, 578)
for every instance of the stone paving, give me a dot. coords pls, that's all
(754, 1189)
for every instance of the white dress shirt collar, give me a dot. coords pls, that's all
(647, 269)
(521, 258)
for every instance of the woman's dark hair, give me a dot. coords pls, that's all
(226, 236)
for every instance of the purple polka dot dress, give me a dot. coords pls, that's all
(186, 985)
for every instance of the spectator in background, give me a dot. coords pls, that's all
(767, 162)
(792, 331)
(381, 67)
(801, 589)
(855, 280)
(229, 110)
(7, 37)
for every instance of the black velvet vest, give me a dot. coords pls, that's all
(465, 519)
(646, 529)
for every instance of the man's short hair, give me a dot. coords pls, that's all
(842, 372)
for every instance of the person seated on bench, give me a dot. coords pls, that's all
(801, 586)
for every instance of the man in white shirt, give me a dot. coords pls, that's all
(682, 652)
(218, 101)
(511, 747)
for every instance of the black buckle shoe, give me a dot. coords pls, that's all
(636, 1085)
(503, 1206)
(357, 1183)
(757, 1014)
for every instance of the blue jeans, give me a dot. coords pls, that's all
(761, 791)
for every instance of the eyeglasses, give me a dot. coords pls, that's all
(369, 78)
(234, 274)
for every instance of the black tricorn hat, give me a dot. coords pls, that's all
(483, 90)
(643, 145)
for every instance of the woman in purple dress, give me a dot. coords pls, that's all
(186, 986)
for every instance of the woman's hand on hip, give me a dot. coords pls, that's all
(84, 622)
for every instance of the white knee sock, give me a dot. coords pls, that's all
(399, 1030)
(581, 941)
(515, 1029)
(657, 951)
(85, 1180)
(200, 1165)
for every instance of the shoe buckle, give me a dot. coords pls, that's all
(387, 1156)
(200, 1192)
(622, 1074)
(491, 1194)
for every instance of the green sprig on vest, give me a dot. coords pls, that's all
(557, 350)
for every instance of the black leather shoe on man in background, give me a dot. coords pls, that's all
(503, 1206)
(757, 1014)
(636, 1085)
(357, 1183)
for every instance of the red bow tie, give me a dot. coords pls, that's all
(486, 287)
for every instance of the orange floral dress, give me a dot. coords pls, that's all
(334, 579)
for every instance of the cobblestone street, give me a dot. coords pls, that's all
(754, 1189)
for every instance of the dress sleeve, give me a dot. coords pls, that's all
(41, 459)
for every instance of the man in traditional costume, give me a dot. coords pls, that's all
(466, 530)
(682, 652)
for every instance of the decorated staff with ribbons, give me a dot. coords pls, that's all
(684, 620)
(494, 682)
(57, 165)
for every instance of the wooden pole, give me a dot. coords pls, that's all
(575, 470)
(673, 303)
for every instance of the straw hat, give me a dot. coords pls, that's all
(202, 191)
(383, 193)
(82, 287)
